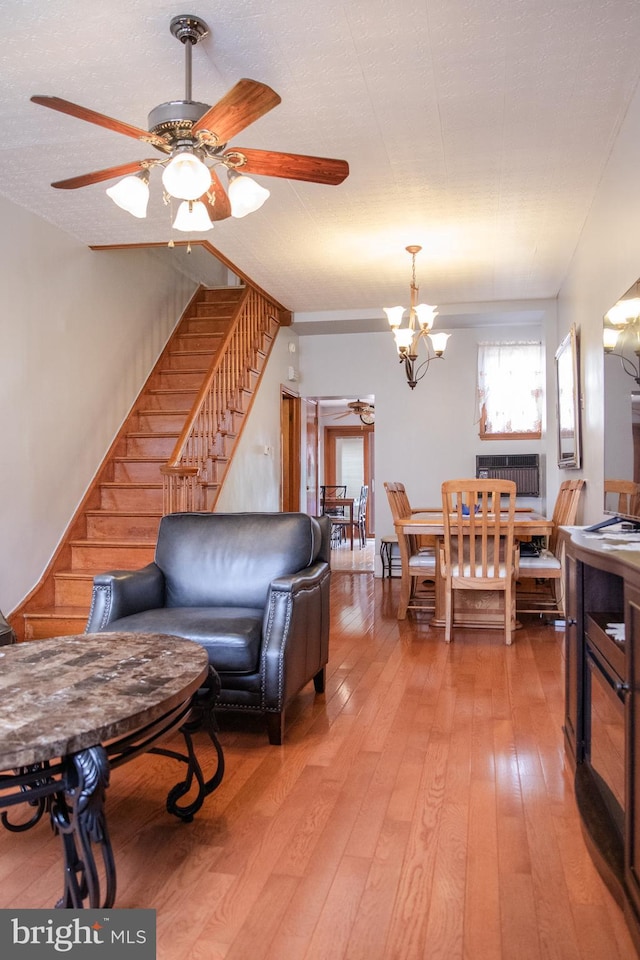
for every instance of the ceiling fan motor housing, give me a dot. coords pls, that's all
(176, 116)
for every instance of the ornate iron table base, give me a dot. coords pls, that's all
(72, 790)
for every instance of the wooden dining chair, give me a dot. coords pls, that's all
(357, 521)
(417, 563)
(622, 496)
(546, 593)
(479, 551)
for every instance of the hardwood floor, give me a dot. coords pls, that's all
(358, 560)
(420, 809)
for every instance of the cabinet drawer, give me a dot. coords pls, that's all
(610, 647)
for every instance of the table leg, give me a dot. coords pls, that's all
(201, 717)
(77, 814)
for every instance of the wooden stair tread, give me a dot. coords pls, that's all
(54, 613)
(128, 544)
(75, 575)
(126, 512)
(131, 484)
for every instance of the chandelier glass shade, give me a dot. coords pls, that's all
(621, 335)
(419, 325)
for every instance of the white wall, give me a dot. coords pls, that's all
(254, 477)
(606, 263)
(79, 333)
(429, 434)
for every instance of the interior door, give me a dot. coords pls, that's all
(291, 451)
(349, 458)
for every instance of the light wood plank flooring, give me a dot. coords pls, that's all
(421, 810)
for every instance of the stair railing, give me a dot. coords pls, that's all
(189, 467)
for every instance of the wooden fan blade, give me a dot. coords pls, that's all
(247, 101)
(220, 209)
(83, 113)
(109, 173)
(291, 166)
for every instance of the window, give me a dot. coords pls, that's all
(510, 390)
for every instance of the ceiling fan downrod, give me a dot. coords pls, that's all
(189, 30)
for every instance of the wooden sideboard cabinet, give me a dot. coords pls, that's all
(602, 706)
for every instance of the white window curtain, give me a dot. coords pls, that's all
(510, 386)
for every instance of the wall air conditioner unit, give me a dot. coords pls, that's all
(524, 468)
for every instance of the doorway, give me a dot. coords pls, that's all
(348, 459)
(291, 450)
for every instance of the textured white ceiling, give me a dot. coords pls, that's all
(477, 128)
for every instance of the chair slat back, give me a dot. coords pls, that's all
(628, 496)
(565, 510)
(479, 518)
(400, 507)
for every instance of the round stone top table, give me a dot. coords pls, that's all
(73, 708)
(68, 693)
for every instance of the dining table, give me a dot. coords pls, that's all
(346, 505)
(472, 608)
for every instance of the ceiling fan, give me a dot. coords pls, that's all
(193, 138)
(362, 409)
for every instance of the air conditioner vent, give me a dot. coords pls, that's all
(523, 468)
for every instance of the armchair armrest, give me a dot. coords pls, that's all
(296, 632)
(302, 580)
(121, 593)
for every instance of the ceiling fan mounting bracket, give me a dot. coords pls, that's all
(186, 27)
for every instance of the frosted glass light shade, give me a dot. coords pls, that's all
(186, 177)
(439, 342)
(426, 315)
(404, 339)
(192, 217)
(394, 316)
(610, 338)
(245, 195)
(131, 194)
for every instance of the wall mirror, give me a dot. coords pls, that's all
(622, 403)
(568, 401)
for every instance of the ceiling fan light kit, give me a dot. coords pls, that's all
(420, 322)
(193, 138)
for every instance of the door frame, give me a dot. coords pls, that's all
(290, 450)
(367, 431)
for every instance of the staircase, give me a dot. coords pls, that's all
(116, 525)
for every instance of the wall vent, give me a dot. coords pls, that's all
(524, 468)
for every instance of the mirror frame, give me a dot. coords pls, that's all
(568, 401)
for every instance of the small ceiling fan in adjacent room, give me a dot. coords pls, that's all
(193, 139)
(362, 409)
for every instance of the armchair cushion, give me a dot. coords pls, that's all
(230, 635)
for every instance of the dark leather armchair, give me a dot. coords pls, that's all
(7, 634)
(252, 588)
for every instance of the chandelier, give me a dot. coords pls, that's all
(420, 322)
(622, 332)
